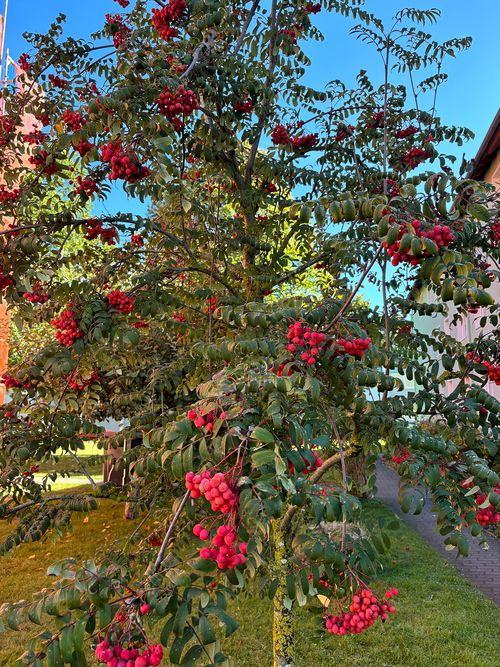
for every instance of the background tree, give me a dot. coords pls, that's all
(247, 388)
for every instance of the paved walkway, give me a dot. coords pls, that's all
(481, 567)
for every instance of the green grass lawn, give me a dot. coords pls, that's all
(441, 619)
(65, 463)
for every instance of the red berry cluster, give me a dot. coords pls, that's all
(401, 457)
(291, 34)
(43, 118)
(116, 655)
(119, 30)
(495, 232)
(414, 157)
(406, 132)
(440, 234)
(363, 612)
(24, 62)
(164, 18)
(36, 296)
(309, 467)
(355, 347)
(393, 188)
(40, 160)
(7, 127)
(302, 337)
(86, 186)
(120, 301)
(140, 324)
(80, 383)
(124, 163)
(281, 369)
(11, 382)
(405, 329)
(304, 142)
(377, 120)
(68, 330)
(31, 471)
(95, 230)
(35, 137)
(176, 103)
(74, 120)
(5, 280)
(174, 64)
(212, 304)
(225, 550)
(8, 195)
(155, 540)
(344, 133)
(244, 106)
(313, 8)
(57, 81)
(123, 3)
(137, 239)
(217, 489)
(203, 421)
(493, 372)
(83, 147)
(488, 515)
(280, 136)
(269, 187)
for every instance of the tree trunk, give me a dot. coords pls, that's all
(357, 470)
(283, 635)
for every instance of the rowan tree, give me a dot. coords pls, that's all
(192, 320)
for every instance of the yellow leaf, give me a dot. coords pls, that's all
(324, 600)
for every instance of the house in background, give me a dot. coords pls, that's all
(486, 167)
(487, 161)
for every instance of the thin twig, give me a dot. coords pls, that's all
(246, 25)
(161, 553)
(83, 469)
(354, 291)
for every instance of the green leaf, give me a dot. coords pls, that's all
(54, 654)
(262, 457)
(178, 646)
(229, 622)
(192, 655)
(206, 631)
(79, 633)
(166, 631)
(180, 619)
(262, 435)
(66, 643)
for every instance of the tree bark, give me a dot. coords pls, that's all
(283, 634)
(357, 470)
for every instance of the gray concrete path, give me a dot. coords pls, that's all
(481, 567)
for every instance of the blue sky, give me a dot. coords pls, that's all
(470, 97)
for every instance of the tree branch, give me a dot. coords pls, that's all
(246, 25)
(354, 291)
(315, 477)
(161, 553)
(301, 268)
